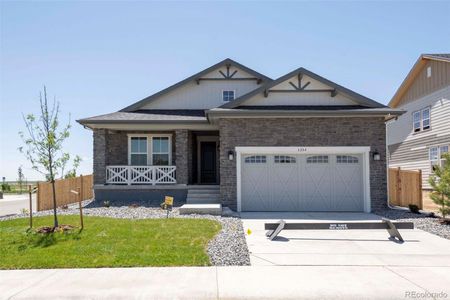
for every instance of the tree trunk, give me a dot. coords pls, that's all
(55, 217)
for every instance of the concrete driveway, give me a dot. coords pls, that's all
(340, 247)
(13, 204)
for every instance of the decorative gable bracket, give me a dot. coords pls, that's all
(299, 88)
(229, 76)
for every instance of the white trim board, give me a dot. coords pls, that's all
(364, 150)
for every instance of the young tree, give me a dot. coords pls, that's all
(44, 142)
(440, 182)
(20, 178)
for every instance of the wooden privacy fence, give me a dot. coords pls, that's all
(63, 194)
(405, 187)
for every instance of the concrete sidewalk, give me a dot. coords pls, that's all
(264, 282)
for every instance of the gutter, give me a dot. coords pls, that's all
(87, 121)
(239, 113)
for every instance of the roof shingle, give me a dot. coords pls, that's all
(149, 116)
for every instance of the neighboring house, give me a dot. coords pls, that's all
(417, 139)
(297, 143)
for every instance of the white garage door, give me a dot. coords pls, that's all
(281, 182)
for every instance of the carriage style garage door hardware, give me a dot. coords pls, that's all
(392, 228)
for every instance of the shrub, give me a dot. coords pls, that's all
(440, 182)
(413, 208)
(6, 187)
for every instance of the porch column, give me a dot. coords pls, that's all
(182, 155)
(99, 163)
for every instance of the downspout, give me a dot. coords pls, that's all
(389, 120)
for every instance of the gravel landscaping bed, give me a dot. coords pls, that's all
(421, 221)
(228, 248)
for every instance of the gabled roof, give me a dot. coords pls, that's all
(418, 66)
(224, 62)
(442, 56)
(358, 98)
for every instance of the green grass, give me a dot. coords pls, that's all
(106, 242)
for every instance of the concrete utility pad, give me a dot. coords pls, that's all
(210, 209)
(340, 247)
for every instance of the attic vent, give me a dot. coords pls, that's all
(428, 72)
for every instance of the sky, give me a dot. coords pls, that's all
(99, 57)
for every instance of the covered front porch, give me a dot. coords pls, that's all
(177, 157)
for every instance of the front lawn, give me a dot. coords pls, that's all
(106, 242)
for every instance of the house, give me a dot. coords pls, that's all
(417, 139)
(231, 135)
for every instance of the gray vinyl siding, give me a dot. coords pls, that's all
(415, 149)
(414, 155)
(401, 130)
(409, 150)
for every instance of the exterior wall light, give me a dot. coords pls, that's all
(376, 155)
(230, 155)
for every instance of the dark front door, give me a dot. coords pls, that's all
(208, 162)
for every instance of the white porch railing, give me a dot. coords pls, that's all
(140, 174)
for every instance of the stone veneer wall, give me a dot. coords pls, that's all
(99, 155)
(349, 131)
(183, 155)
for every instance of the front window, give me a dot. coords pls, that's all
(160, 151)
(149, 150)
(138, 151)
(228, 96)
(421, 119)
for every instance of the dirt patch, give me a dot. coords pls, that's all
(60, 228)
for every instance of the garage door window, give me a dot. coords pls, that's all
(317, 159)
(283, 159)
(346, 159)
(255, 159)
